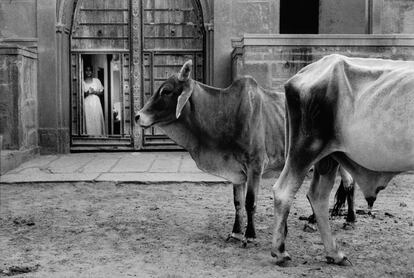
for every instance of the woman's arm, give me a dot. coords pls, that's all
(98, 86)
(84, 90)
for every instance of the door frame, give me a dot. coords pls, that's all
(83, 142)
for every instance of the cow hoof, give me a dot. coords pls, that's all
(234, 236)
(348, 226)
(372, 214)
(342, 262)
(281, 259)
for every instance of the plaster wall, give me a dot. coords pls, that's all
(18, 19)
(397, 17)
(233, 18)
(342, 17)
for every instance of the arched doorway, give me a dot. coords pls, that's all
(132, 46)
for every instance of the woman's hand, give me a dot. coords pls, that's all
(89, 92)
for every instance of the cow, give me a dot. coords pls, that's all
(357, 112)
(236, 133)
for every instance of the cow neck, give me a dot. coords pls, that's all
(209, 89)
(204, 105)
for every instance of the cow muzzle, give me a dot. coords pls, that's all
(143, 119)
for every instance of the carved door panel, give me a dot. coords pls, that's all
(172, 34)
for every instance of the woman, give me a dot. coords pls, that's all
(92, 88)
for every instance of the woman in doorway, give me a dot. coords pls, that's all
(92, 88)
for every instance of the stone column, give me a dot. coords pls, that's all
(374, 16)
(136, 68)
(63, 88)
(49, 112)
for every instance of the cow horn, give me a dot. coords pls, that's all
(185, 71)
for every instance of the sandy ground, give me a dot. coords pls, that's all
(179, 230)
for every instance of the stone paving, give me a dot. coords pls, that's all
(139, 167)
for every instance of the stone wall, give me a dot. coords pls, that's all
(272, 59)
(18, 100)
(18, 106)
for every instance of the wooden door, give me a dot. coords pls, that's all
(172, 34)
(100, 38)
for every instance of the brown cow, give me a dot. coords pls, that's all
(358, 112)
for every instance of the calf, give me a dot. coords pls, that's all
(352, 111)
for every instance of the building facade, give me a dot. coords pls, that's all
(131, 46)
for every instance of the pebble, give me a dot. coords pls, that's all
(308, 228)
(388, 214)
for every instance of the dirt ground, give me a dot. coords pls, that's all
(179, 230)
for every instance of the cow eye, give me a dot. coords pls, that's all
(165, 91)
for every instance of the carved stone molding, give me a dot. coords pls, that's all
(62, 28)
(136, 69)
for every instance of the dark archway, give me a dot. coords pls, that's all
(299, 16)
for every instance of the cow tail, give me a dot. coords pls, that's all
(340, 199)
(286, 129)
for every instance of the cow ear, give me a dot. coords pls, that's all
(185, 71)
(183, 98)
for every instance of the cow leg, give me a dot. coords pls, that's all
(318, 196)
(284, 191)
(239, 193)
(310, 226)
(345, 192)
(253, 184)
(351, 217)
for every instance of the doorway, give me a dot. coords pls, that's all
(131, 47)
(106, 72)
(101, 116)
(299, 16)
